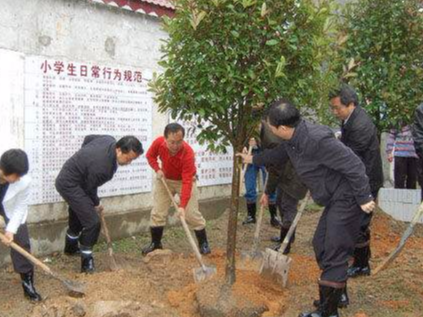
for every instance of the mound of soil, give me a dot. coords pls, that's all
(162, 284)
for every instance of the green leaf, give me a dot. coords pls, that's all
(248, 3)
(264, 10)
(216, 3)
(272, 42)
(235, 33)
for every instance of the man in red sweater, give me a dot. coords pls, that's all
(178, 168)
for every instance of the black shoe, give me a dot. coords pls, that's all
(249, 220)
(156, 240)
(284, 232)
(251, 214)
(356, 271)
(328, 303)
(71, 246)
(28, 286)
(202, 241)
(276, 239)
(343, 302)
(277, 247)
(87, 261)
(274, 221)
(361, 264)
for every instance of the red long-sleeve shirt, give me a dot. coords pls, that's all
(178, 167)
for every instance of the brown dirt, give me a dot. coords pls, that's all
(164, 285)
(249, 284)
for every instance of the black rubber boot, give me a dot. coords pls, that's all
(71, 245)
(156, 240)
(87, 260)
(329, 300)
(284, 232)
(276, 239)
(202, 241)
(28, 286)
(344, 301)
(251, 214)
(274, 221)
(361, 265)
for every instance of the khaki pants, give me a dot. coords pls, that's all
(162, 202)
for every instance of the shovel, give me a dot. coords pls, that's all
(252, 260)
(275, 264)
(112, 261)
(243, 171)
(204, 272)
(391, 257)
(75, 289)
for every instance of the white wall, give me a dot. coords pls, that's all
(75, 30)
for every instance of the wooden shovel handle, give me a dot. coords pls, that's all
(244, 168)
(256, 240)
(29, 256)
(294, 223)
(104, 226)
(185, 226)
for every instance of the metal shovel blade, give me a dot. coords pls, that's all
(112, 264)
(204, 273)
(276, 266)
(75, 289)
(251, 261)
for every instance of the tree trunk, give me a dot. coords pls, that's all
(232, 224)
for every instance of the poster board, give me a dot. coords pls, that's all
(67, 100)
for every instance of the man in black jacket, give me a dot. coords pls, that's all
(78, 181)
(418, 142)
(360, 134)
(337, 179)
(284, 181)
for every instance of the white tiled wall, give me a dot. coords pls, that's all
(401, 204)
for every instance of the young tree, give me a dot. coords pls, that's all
(385, 51)
(224, 59)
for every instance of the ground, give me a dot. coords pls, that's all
(163, 285)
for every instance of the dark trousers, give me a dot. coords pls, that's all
(287, 208)
(366, 219)
(83, 218)
(20, 264)
(335, 238)
(405, 172)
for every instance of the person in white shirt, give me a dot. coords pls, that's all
(14, 196)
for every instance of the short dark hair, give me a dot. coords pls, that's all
(283, 112)
(130, 143)
(346, 93)
(14, 161)
(173, 128)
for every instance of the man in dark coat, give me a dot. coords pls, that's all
(78, 181)
(284, 181)
(337, 179)
(360, 134)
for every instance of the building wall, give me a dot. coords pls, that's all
(77, 30)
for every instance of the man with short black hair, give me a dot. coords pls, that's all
(337, 179)
(78, 181)
(179, 171)
(360, 134)
(14, 197)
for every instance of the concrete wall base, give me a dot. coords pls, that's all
(48, 237)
